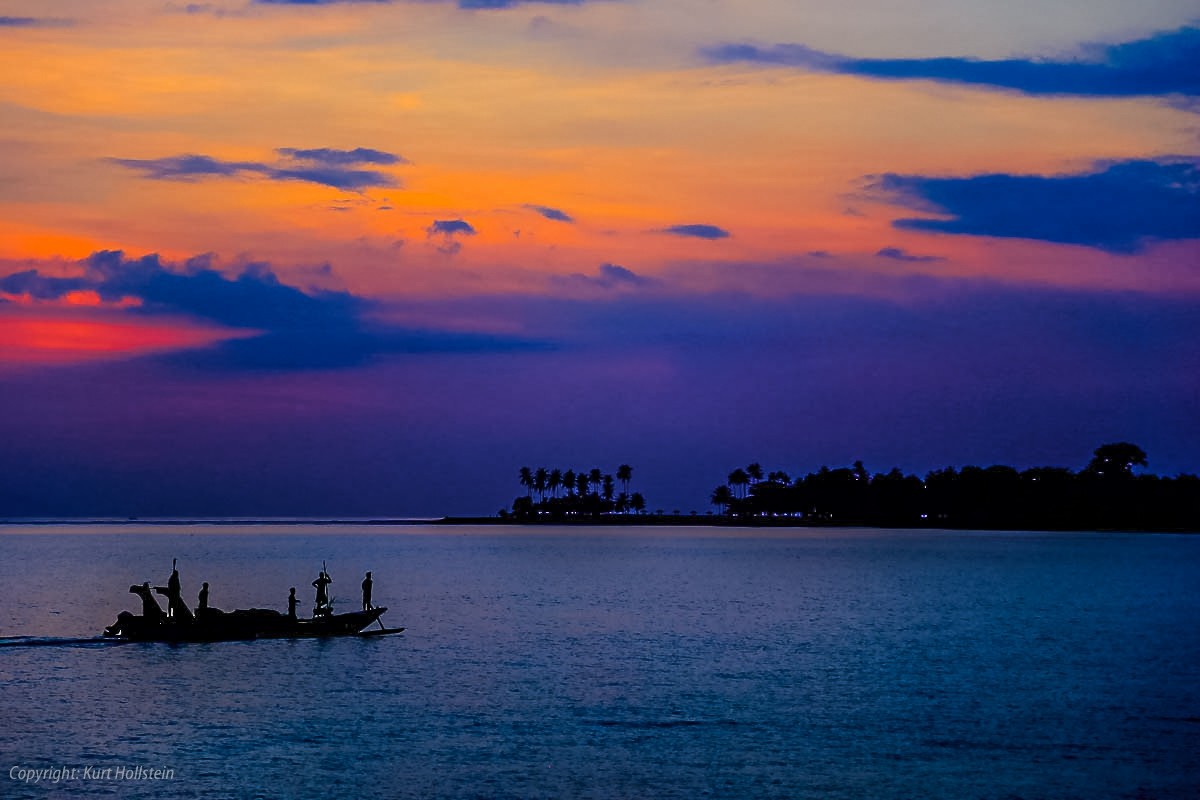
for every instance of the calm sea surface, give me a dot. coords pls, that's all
(615, 663)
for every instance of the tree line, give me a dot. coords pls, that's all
(1105, 494)
(570, 493)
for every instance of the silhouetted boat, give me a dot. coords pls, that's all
(214, 625)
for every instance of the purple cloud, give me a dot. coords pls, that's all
(338, 178)
(324, 166)
(330, 157)
(318, 2)
(186, 167)
(450, 227)
(499, 4)
(33, 22)
(615, 274)
(900, 254)
(1119, 207)
(40, 287)
(469, 5)
(697, 231)
(609, 277)
(550, 213)
(1166, 63)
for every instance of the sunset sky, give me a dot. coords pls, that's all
(293, 257)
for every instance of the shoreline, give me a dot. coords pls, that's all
(614, 521)
(714, 521)
(220, 521)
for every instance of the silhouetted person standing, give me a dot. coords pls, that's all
(366, 587)
(203, 599)
(174, 592)
(322, 583)
(176, 608)
(292, 603)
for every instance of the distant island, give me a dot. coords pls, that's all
(564, 494)
(1107, 494)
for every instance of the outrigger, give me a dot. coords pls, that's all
(214, 625)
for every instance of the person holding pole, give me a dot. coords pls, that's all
(322, 584)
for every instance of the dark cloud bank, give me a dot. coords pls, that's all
(1118, 206)
(287, 328)
(1166, 63)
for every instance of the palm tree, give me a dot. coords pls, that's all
(539, 481)
(637, 502)
(527, 480)
(780, 477)
(625, 475)
(554, 481)
(569, 481)
(595, 478)
(739, 480)
(722, 497)
(581, 483)
(755, 473)
(609, 488)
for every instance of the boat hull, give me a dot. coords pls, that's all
(216, 626)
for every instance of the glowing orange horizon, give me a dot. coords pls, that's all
(56, 341)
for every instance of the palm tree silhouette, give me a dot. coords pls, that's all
(625, 475)
(721, 498)
(592, 492)
(739, 480)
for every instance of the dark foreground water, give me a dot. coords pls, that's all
(631, 663)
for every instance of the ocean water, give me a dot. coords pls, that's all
(613, 663)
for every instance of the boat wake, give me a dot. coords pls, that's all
(58, 641)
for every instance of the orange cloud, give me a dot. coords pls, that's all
(84, 298)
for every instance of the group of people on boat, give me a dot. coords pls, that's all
(178, 612)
